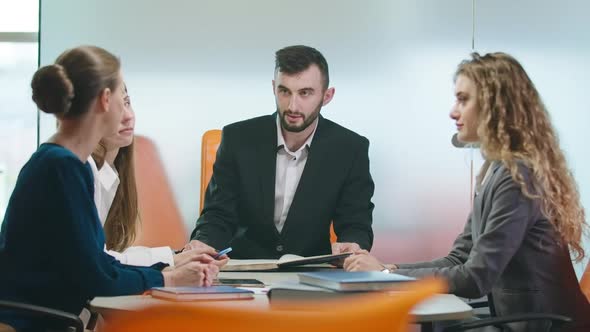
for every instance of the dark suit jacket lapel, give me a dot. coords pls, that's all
(267, 159)
(483, 199)
(317, 160)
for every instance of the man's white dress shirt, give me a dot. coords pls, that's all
(289, 167)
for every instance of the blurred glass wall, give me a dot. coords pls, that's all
(196, 65)
(19, 23)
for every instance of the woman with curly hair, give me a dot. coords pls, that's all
(526, 217)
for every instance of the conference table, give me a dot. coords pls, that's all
(441, 307)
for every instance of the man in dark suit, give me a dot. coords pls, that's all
(279, 180)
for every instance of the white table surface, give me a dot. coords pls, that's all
(438, 308)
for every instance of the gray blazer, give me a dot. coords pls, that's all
(510, 252)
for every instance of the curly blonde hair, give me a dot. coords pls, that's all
(514, 125)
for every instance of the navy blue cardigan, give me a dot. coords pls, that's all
(52, 242)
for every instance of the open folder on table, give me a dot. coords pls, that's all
(285, 261)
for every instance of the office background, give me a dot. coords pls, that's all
(195, 65)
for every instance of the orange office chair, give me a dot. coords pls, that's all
(6, 328)
(333, 237)
(368, 312)
(209, 144)
(161, 223)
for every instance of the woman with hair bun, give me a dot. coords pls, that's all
(51, 241)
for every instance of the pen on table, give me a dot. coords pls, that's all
(222, 252)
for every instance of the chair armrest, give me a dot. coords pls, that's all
(45, 314)
(479, 304)
(557, 321)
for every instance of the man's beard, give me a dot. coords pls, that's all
(307, 121)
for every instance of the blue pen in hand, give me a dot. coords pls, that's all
(222, 252)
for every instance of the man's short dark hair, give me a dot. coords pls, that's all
(295, 59)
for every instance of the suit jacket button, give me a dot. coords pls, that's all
(280, 248)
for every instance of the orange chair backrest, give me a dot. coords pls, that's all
(6, 328)
(209, 144)
(585, 282)
(367, 312)
(333, 237)
(161, 222)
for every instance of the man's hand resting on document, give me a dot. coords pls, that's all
(342, 247)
